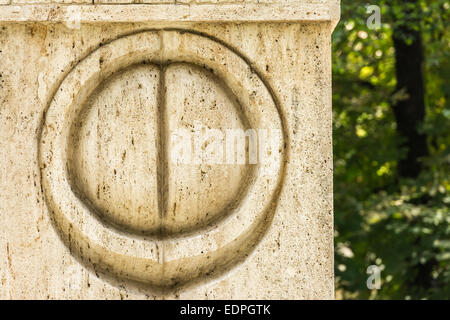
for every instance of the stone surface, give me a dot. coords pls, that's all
(171, 15)
(120, 165)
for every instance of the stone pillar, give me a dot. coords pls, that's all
(166, 150)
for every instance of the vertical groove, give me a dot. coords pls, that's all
(162, 145)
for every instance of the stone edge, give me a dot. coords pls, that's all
(212, 13)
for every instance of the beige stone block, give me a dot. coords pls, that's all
(135, 1)
(166, 151)
(40, 2)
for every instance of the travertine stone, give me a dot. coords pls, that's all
(21, 2)
(174, 14)
(121, 172)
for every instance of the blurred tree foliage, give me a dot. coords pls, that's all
(386, 215)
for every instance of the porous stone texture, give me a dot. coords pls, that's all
(95, 104)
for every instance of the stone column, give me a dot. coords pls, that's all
(166, 150)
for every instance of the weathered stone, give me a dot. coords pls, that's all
(121, 173)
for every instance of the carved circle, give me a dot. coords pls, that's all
(159, 252)
(114, 150)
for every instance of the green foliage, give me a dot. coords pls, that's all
(401, 225)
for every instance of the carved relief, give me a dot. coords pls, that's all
(116, 197)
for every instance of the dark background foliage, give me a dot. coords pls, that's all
(392, 149)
